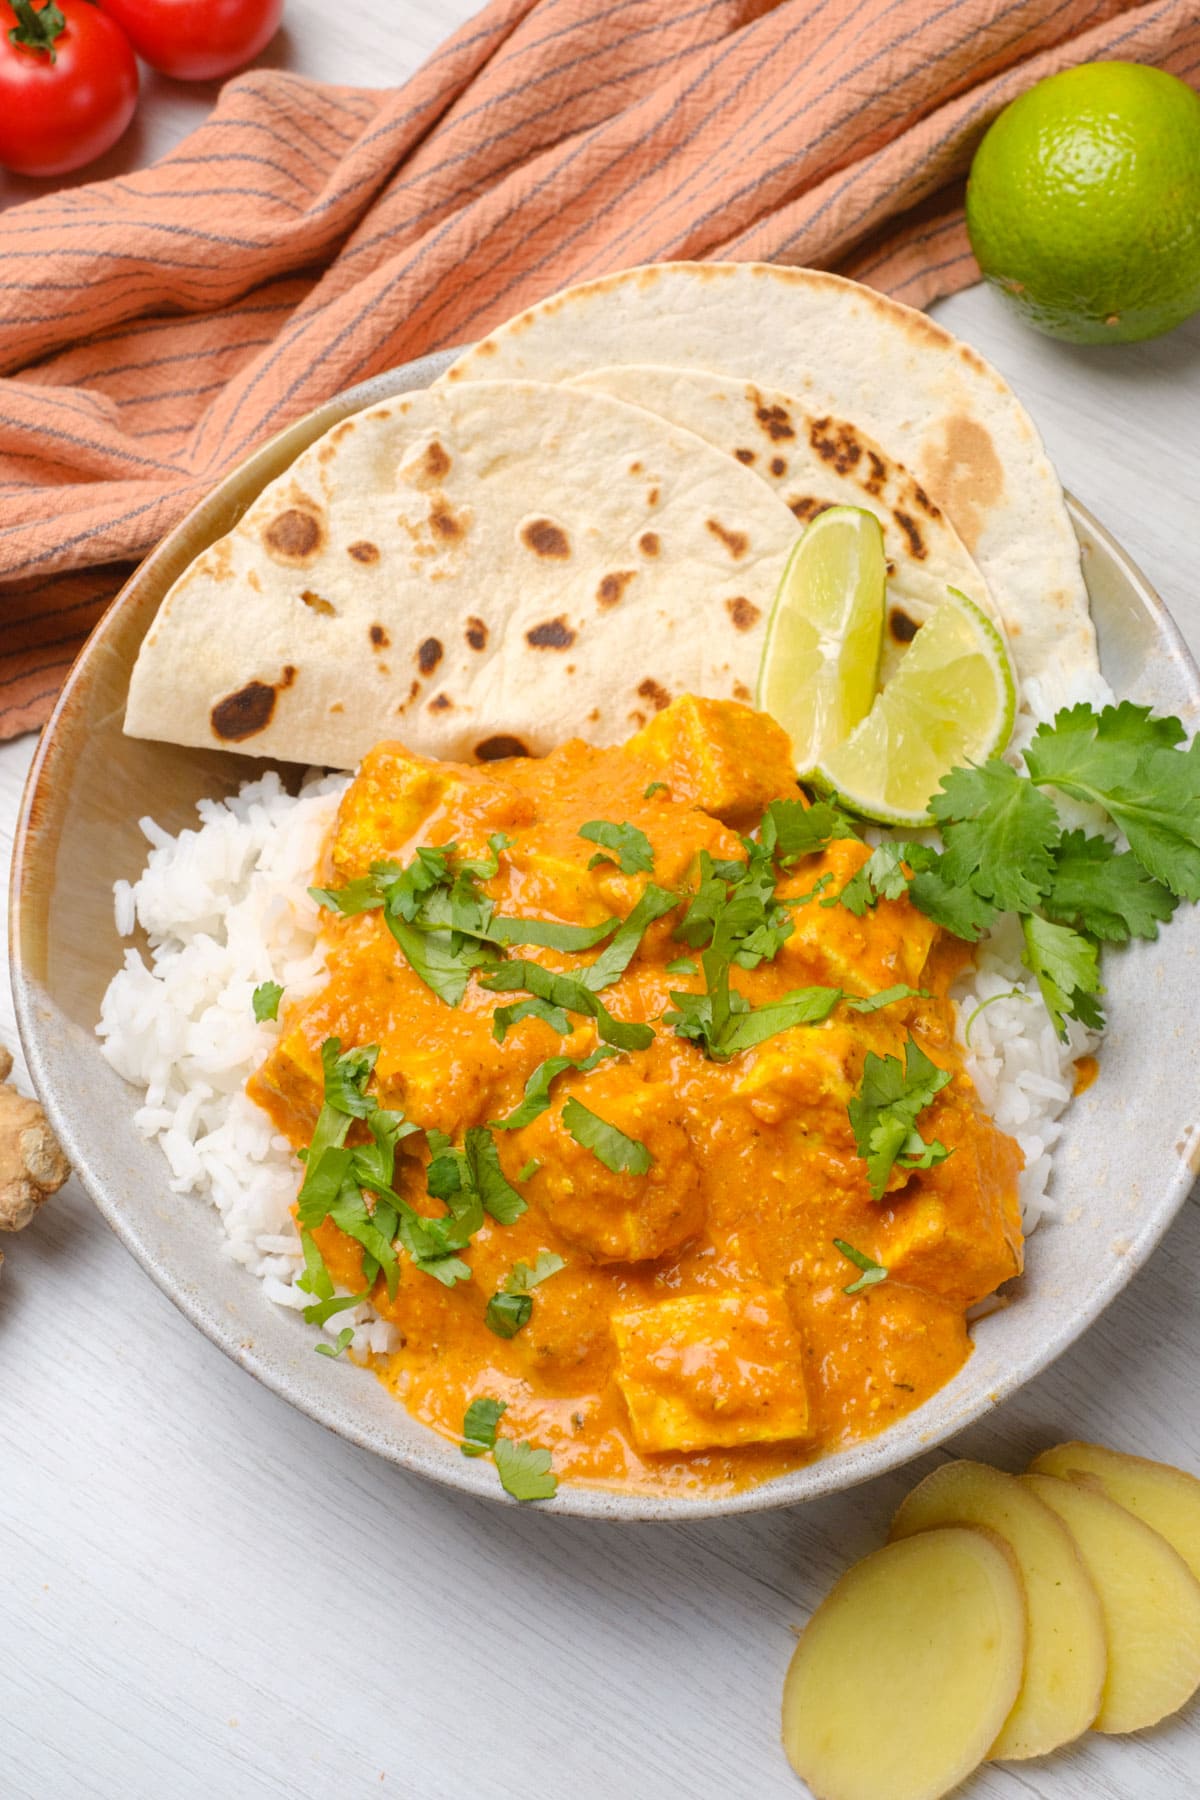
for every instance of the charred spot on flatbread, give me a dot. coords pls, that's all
(654, 692)
(551, 634)
(547, 539)
(924, 502)
(875, 475)
(912, 531)
(835, 442)
(495, 749)
(612, 586)
(441, 703)
(776, 421)
(363, 551)
(778, 466)
(902, 628)
(294, 536)
(649, 543)
(444, 522)
(807, 506)
(740, 691)
(379, 637)
(318, 604)
(244, 714)
(743, 612)
(436, 462)
(429, 655)
(652, 497)
(745, 456)
(476, 633)
(736, 542)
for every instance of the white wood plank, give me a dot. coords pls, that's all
(204, 1595)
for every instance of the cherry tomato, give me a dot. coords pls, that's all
(197, 40)
(68, 85)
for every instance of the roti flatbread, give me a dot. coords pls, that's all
(812, 461)
(845, 350)
(480, 570)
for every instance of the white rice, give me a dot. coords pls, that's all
(226, 907)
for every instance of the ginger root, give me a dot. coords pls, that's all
(32, 1167)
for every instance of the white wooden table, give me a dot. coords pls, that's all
(205, 1597)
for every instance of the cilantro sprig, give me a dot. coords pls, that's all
(524, 1470)
(608, 1144)
(631, 848)
(872, 1272)
(510, 1309)
(265, 1000)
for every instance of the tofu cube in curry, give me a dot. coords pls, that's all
(721, 756)
(712, 1370)
(397, 795)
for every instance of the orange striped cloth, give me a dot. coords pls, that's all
(156, 327)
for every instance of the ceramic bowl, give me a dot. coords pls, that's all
(1128, 1156)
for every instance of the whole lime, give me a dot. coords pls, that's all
(1083, 204)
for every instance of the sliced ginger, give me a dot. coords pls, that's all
(907, 1671)
(1066, 1655)
(1150, 1600)
(1166, 1499)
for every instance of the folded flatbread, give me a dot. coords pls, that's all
(480, 570)
(815, 460)
(844, 350)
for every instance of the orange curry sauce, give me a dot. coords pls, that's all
(699, 1337)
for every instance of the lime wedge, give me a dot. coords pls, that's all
(820, 661)
(950, 702)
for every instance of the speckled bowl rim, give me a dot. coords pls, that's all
(429, 1454)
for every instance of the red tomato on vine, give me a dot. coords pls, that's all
(68, 85)
(197, 40)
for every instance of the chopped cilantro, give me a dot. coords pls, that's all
(621, 1154)
(612, 962)
(872, 1272)
(530, 1170)
(656, 787)
(524, 1470)
(479, 1426)
(1067, 966)
(265, 1000)
(523, 1277)
(683, 965)
(537, 1088)
(507, 1313)
(634, 852)
(869, 1003)
(881, 877)
(724, 1022)
(569, 992)
(505, 1017)
(790, 829)
(549, 933)
(958, 910)
(345, 1338)
(884, 1114)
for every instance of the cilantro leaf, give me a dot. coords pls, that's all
(802, 1006)
(1107, 893)
(790, 829)
(568, 992)
(612, 963)
(656, 787)
(500, 1199)
(884, 1113)
(265, 1000)
(334, 1303)
(505, 1017)
(872, 1272)
(316, 1278)
(549, 933)
(633, 848)
(1128, 762)
(530, 1170)
(537, 1088)
(621, 1154)
(507, 1313)
(999, 832)
(345, 1338)
(881, 877)
(479, 1426)
(1067, 966)
(522, 1277)
(957, 909)
(524, 1470)
(443, 960)
(683, 965)
(869, 1003)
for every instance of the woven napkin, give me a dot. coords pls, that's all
(155, 328)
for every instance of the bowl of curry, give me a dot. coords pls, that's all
(667, 1222)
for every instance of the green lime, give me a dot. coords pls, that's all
(1083, 204)
(950, 702)
(820, 661)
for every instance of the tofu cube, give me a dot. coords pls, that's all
(712, 1371)
(720, 755)
(397, 796)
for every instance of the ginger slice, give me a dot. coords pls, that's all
(32, 1166)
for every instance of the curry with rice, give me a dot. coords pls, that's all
(680, 1152)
